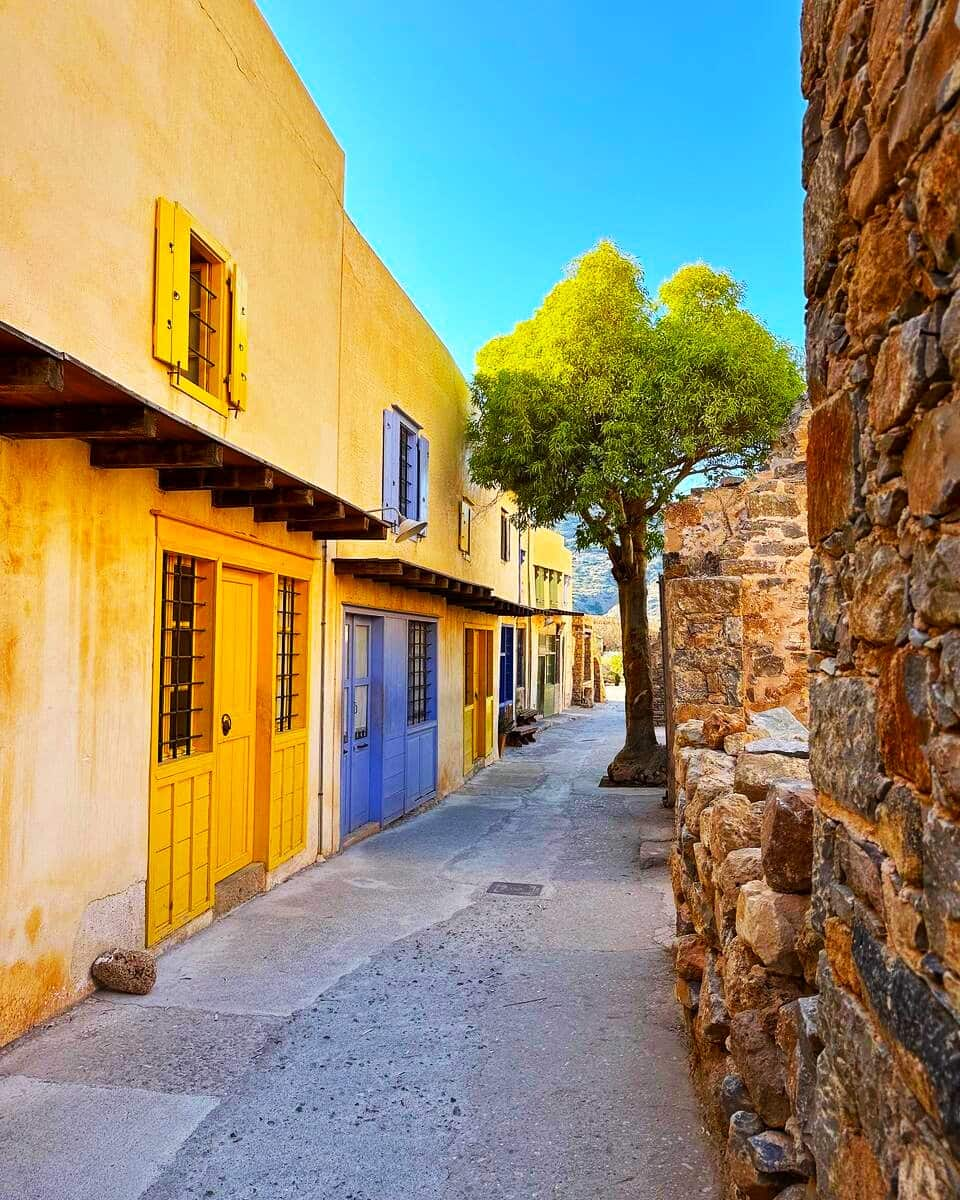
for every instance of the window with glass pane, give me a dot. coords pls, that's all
(183, 725)
(289, 653)
(419, 671)
(360, 707)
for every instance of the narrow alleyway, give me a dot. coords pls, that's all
(383, 1027)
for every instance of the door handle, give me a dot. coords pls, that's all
(226, 723)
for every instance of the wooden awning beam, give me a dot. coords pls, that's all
(89, 422)
(156, 454)
(216, 479)
(26, 375)
(253, 498)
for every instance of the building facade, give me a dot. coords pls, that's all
(216, 405)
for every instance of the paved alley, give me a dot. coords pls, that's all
(382, 1026)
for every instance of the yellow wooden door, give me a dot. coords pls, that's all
(487, 643)
(235, 723)
(469, 696)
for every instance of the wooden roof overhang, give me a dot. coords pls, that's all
(561, 612)
(399, 573)
(44, 393)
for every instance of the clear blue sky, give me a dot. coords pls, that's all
(487, 144)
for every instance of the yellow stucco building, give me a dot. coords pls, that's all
(217, 662)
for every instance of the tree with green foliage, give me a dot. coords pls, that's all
(604, 401)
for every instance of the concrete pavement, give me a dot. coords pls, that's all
(382, 1027)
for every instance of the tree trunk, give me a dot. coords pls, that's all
(642, 761)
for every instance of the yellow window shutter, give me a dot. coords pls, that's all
(171, 305)
(238, 349)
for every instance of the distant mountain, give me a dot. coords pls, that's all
(594, 589)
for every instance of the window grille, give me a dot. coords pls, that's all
(504, 535)
(419, 667)
(203, 337)
(180, 698)
(288, 652)
(409, 481)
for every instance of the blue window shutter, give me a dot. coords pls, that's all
(391, 459)
(423, 477)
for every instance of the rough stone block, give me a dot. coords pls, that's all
(900, 830)
(701, 763)
(709, 789)
(878, 609)
(738, 868)
(749, 985)
(689, 734)
(735, 823)
(898, 379)
(903, 916)
(760, 1063)
(769, 922)
(749, 1182)
(920, 1021)
(931, 464)
(756, 772)
(713, 1020)
(777, 723)
(883, 277)
(132, 971)
(860, 862)
(935, 581)
(786, 836)
(903, 720)
(830, 472)
(844, 756)
(943, 753)
(690, 957)
(734, 1096)
(941, 885)
(718, 725)
(938, 190)
(799, 1040)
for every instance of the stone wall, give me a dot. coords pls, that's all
(882, 169)
(587, 649)
(736, 565)
(737, 579)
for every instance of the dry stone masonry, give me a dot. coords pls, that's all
(882, 170)
(818, 947)
(736, 565)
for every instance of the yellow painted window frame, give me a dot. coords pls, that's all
(176, 231)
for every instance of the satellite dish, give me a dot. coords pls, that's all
(408, 529)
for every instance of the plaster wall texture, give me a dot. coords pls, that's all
(77, 597)
(106, 108)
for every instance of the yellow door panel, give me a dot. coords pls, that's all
(235, 722)
(288, 799)
(468, 739)
(178, 882)
(488, 729)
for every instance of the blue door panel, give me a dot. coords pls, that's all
(394, 715)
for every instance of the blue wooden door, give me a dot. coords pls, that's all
(355, 793)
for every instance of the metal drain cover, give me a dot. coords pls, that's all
(515, 889)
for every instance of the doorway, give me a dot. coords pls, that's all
(356, 807)
(477, 696)
(548, 672)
